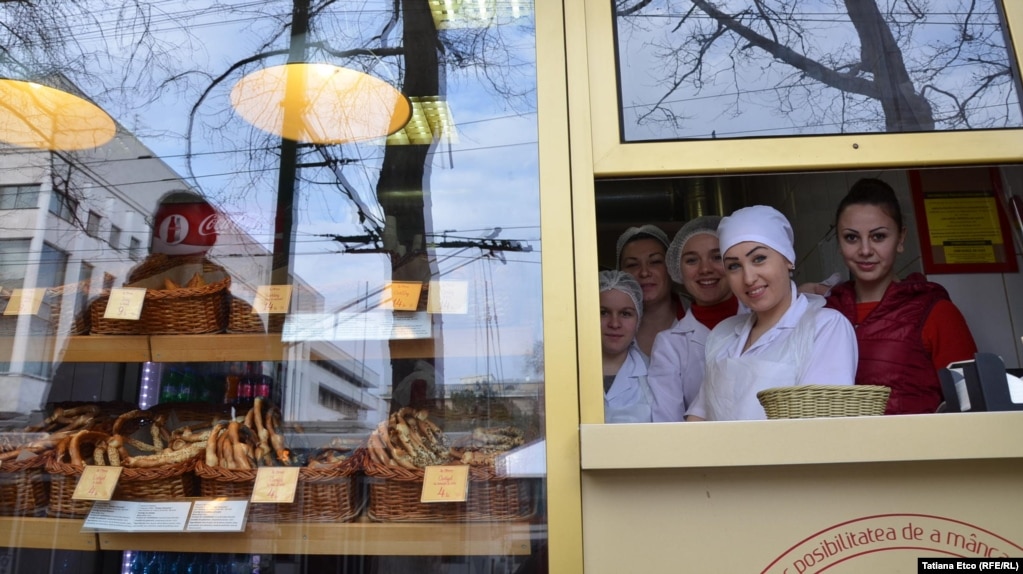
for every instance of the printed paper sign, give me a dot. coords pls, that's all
(125, 303)
(25, 302)
(449, 297)
(129, 516)
(272, 299)
(218, 515)
(445, 483)
(275, 484)
(97, 483)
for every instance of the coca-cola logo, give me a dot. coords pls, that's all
(173, 229)
(208, 226)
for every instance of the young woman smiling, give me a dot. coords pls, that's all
(627, 397)
(787, 339)
(641, 253)
(906, 329)
(677, 359)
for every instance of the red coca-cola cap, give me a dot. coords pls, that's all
(184, 224)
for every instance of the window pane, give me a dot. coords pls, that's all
(726, 70)
(359, 268)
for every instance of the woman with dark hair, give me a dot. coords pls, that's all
(906, 329)
(640, 252)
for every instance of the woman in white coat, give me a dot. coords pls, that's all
(678, 356)
(627, 397)
(787, 339)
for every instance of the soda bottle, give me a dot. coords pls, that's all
(263, 383)
(246, 386)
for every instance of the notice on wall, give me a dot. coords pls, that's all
(130, 516)
(961, 221)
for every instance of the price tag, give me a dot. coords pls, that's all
(402, 295)
(448, 297)
(25, 302)
(125, 303)
(272, 299)
(275, 484)
(97, 483)
(445, 483)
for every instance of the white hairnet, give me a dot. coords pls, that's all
(625, 283)
(759, 223)
(705, 224)
(648, 230)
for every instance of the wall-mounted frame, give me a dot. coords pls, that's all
(961, 221)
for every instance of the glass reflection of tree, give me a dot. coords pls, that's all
(401, 220)
(941, 66)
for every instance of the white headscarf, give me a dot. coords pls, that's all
(640, 232)
(761, 224)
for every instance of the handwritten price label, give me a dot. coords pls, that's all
(25, 302)
(445, 484)
(97, 483)
(402, 295)
(275, 484)
(125, 303)
(272, 299)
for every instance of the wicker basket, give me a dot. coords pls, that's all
(241, 318)
(811, 401)
(23, 487)
(327, 494)
(187, 310)
(63, 479)
(168, 482)
(395, 493)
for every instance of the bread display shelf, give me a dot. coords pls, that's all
(45, 533)
(177, 348)
(364, 538)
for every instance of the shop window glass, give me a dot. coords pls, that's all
(383, 286)
(715, 70)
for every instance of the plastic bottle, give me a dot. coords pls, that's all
(189, 385)
(170, 385)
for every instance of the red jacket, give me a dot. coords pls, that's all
(891, 347)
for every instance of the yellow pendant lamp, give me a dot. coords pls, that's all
(37, 116)
(320, 103)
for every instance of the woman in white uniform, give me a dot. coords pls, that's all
(787, 339)
(627, 397)
(678, 357)
(640, 252)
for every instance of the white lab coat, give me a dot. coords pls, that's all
(676, 368)
(809, 345)
(629, 399)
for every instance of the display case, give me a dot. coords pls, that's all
(316, 251)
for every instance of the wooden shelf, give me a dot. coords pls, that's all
(219, 347)
(45, 533)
